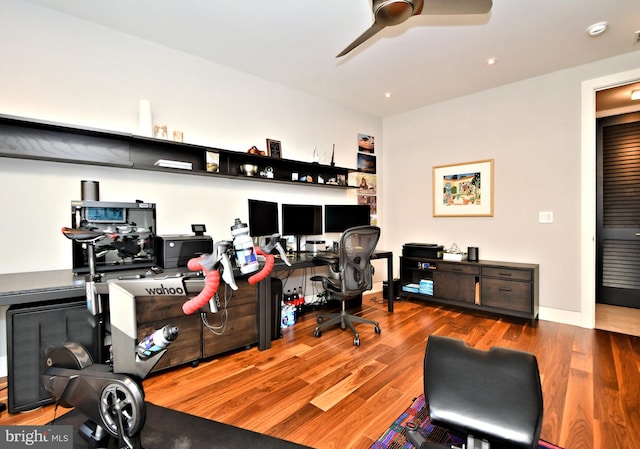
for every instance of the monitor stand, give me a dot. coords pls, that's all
(298, 240)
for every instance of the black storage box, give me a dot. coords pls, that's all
(175, 250)
(420, 250)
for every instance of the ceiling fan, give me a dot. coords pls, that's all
(394, 12)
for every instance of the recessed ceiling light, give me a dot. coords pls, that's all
(597, 29)
(635, 95)
(387, 95)
(491, 61)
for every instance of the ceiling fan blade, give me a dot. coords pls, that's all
(363, 37)
(447, 7)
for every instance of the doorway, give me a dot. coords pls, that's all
(588, 188)
(617, 248)
(618, 210)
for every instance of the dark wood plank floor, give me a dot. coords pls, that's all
(328, 394)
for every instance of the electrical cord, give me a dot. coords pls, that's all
(219, 329)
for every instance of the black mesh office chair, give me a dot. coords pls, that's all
(349, 275)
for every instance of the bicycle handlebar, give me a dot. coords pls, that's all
(211, 284)
(212, 279)
(268, 266)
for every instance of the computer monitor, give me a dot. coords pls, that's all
(301, 220)
(263, 218)
(338, 217)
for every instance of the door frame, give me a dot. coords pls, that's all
(588, 285)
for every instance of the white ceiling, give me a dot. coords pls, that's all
(422, 61)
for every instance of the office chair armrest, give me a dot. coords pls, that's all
(327, 283)
(326, 260)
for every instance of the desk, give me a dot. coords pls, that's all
(21, 288)
(302, 260)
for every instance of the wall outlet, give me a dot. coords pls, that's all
(545, 217)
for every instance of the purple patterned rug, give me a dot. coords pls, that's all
(395, 436)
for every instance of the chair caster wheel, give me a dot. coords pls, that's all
(356, 341)
(319, 320)
(377, 329)
(317, 333)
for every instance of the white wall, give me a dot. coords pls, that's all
(71, 71)
(532, 129)
(66, 70)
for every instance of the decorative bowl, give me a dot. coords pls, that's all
(249, 169)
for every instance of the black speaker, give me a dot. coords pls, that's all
(31, 329)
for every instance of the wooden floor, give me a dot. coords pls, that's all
(624, 320)
(328, 394)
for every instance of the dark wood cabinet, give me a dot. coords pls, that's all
(507, 288)
(236, 327)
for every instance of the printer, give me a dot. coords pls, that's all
(175, 251)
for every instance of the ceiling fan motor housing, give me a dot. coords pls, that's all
(392, 12)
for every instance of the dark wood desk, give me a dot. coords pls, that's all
(299, 261)
(22, 288)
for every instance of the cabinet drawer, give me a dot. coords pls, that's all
(458, 287)
(158, 308)
(507, 273)
(241, 330)
(459, 268)
(509, 295)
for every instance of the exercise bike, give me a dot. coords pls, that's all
(111, 394)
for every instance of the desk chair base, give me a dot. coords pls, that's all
(346, 320)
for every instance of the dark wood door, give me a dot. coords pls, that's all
(618, 206)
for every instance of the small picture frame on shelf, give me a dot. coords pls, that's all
(274, 148)
(213, 162)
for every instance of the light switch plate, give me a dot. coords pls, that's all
(545, 217)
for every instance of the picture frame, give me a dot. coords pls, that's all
(274, 148)
(366, 163)
(213, 162)
(463, 190)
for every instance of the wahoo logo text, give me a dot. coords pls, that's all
(162, 290)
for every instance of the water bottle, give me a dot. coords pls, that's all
(300, 300)
(284, 319)
(243, 245)
(157, 341)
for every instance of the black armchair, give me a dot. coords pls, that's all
(349, 275)
(492, 397)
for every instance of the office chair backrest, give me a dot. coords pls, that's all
(357, 244)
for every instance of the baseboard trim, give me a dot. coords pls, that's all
(560, 316)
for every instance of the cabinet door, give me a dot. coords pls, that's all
(240, 329)
(457, 287)
(59, 145)
(186, 348)
(154, 312)
(235, 329)
(505, 294)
